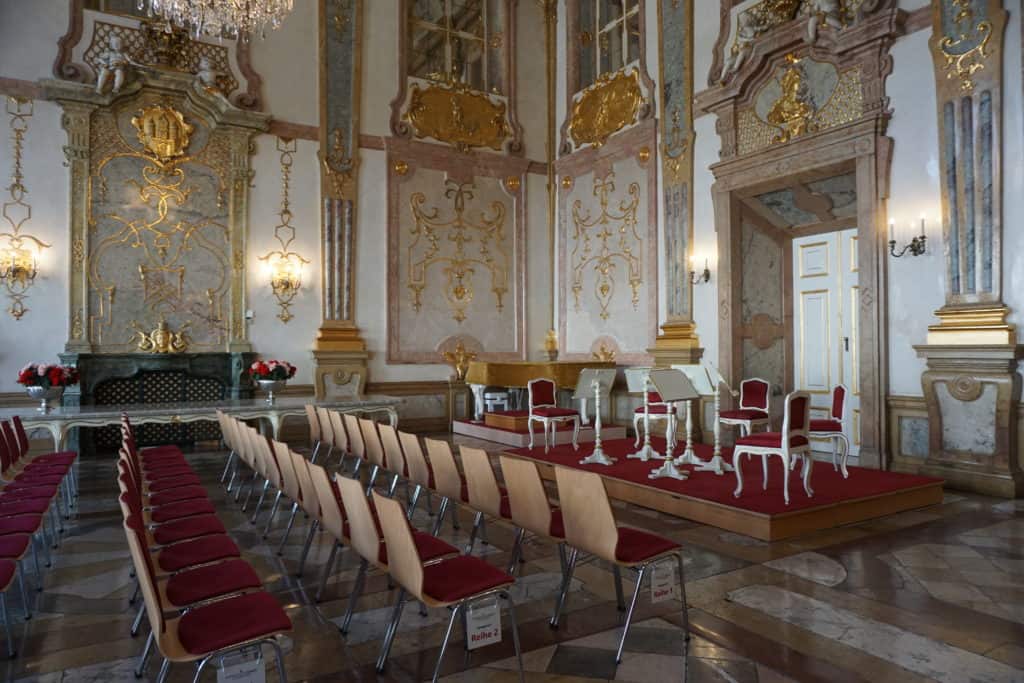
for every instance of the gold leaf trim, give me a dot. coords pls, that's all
(605, 108)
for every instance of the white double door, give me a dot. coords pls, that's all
(825, 297)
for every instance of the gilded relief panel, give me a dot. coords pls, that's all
(158, 236)
(455, 254)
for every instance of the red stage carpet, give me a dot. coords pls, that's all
(830, 489)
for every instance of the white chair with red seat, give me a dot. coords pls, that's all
(832, 428)
(656, 410)
(544, 409)
(796, 444)
(754, 407)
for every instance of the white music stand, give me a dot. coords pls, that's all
(599, 381)
(674, 386)
(717, 464)
(638, 380)
(698, 377)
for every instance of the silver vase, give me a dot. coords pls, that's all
(44, 395)
(270, 386)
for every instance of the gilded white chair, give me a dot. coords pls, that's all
(791, 443)
(831, 428)
(656, 410)
(754, 411)
(544, 409)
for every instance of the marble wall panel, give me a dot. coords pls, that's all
(968, 426)
(913, 435)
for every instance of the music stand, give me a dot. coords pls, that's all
(598, 380)
(698, 377)
(638, 380)
(717, 464)
(674, 386)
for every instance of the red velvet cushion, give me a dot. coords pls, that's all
(7, 568)
(169, 472)
(743, 415)
(461, 577)
(178, 494)
(14, 546)
(24, 506)
(427, 546)
(63, 458)
(40, 478)
(635, 545)
(228, 622)
(187, 528)
(770, 440)
(754, 394)
(838, 398)
(176, 482)
(168, 449)
(198, 551)
(826, 426)
(551, 411)
(799, 412)
(542, 393)
(185, 508)
(660, 409)
(21, 524)
(30, 489)
(211, 581)
(653, 397)
(557, 529)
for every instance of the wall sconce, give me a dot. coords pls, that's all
(705, 275)
(18, 265)
(916, 245)
(285, 266)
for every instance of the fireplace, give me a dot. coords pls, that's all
(134, 378)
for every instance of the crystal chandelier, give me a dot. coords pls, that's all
(216, 18)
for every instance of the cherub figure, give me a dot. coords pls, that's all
(748, 28)
(824, 13)
(113, 64)
(207, 75)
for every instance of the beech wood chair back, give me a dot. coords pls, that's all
(587, 513)
(446, 473)
(481, 484)
(527, 500)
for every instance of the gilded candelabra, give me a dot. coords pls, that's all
(285, 264)
(916, 246)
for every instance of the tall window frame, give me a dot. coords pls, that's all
(465, 28)
(618, 35)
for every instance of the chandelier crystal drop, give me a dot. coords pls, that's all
(221, 18)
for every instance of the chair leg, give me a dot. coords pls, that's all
(619, 596)
(440, 517)
(636, 430)
(164, 669)
(785, 479)
(273, 513)
(327, 570)
(199, 668)
(682, 596)
(288, 529)
(7, 626)
(227, 466)
(259, 503)
(515, 633)
(393, 486)
(739, 472)
(356, 590)
(282, 677)
(835, 450)
(24, 593)
(140, 668)
(413, 499)
(248, 496)
(389, 636)
(566, 581)
(576, 433)
(629, 614)
(444, 643)
(529, 428)
(472, 534)
(808, 468)
(137, 623)
(846, 454)
(517, 548)
(764, 468)
(313, 526)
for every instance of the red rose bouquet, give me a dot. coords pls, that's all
(47, 376)
(276, 370)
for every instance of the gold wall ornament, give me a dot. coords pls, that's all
(793, 111)
(608, 106)
(567, 182)
(643, 155)
(486, 238)
(513, 183)
(551, 345)
(285, 265)
(453, 112)
(161, 339)
(601, 243)
(964, 64)
(459, 358)
(604, 353)
(18, 249)
(401, 167)
(162, 131)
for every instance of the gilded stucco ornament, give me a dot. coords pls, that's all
(453, 112)
(459, 358)
(161, 339)
(793, 111)
(162, 131)
(605, 108)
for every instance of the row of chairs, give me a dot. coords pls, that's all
(201, 599)
(32, 491)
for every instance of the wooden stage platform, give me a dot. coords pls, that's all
(708, 498)
(509, 429)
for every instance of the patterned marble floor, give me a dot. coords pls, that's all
(927, 595)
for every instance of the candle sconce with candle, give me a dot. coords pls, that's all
(704, 277)
(916, 246)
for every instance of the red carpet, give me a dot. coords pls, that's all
(828, 485)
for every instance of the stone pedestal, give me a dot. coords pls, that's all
(339, 374)
(460, 401)
(972, 393)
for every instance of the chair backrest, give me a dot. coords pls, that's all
(327, 437)
(339, 435)
(355, 439)
(587, 514)
(796, 419)
(332, 514)
(222, 422)
(446, 473)
(541, 393)
(527, 499)
(144, 571)
(310, 501)
(481, 485)
(19, 430)
(653, 397)
(289, 477)
(419, 471)
(363, 535)
(371, 439)
(393, 455)
(6, 456)
(240, 440)
(404, 562)
(838, 411)
(267, 458)
(754, 394)
(315, 434)
(12, 441)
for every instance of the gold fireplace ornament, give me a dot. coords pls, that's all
(161, 339)
(162, 131)
(606, 107)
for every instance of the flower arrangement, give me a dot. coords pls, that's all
(274, 370)
(47, 376)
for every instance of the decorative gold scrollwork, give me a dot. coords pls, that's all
(427, 249)
(454, 113)
(600, 243)
(161, 339)
(162, 131)
(794, 110)
(964, 65)
(606, 107)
